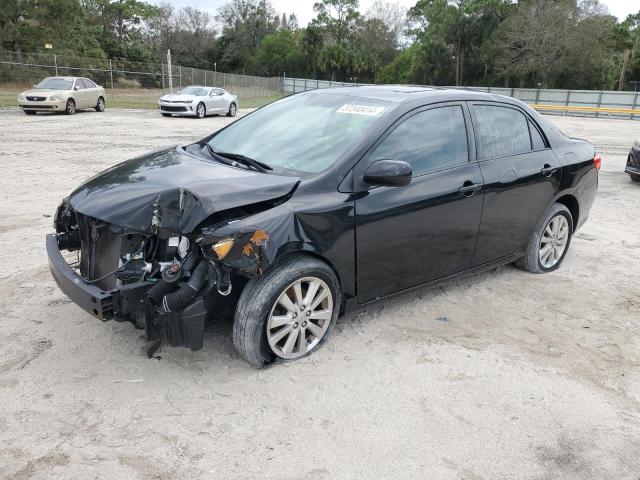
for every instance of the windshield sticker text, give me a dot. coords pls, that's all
(368, 110)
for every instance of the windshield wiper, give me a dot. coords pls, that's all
(239, 158)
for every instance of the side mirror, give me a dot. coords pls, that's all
(35, 85)
(77, 87)
(388, 173)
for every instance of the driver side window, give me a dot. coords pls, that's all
(430, 140)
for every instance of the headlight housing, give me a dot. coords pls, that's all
(222, 247)
(55, 97)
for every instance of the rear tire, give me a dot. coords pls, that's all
(100, 105)
(70, 109)
(233, 109)
(634, 177)
(259, 300)
(550, 241)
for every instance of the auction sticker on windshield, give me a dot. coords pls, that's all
(368, 110)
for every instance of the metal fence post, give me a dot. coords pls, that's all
(599, 103)
(205, 78)
(55, 63)
(635, 105)
(162, 65)
(566, 104)
(111, 78)
(180, 78)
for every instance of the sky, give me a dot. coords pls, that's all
(304, 8)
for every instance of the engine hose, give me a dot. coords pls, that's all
(156, 293)
(187, 293)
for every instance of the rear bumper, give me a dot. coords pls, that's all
(632, 169)
(89, 297)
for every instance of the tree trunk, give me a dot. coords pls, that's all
(623, 70)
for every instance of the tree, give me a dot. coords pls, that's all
(244, 24)
(279, 53)
(549, 41)
(392, 16)
(338, 18)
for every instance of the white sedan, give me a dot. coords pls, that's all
(199, 102)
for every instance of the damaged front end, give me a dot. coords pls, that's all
(136, 243)
(169, 285)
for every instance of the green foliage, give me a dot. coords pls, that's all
(555, 43)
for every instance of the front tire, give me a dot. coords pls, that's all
(100, 105)
(201, 110)
(29, 112)
(550, 241)
(288, 312)
(70, 108)
(634, 177)
(233, 109)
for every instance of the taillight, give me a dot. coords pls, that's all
(597, 161)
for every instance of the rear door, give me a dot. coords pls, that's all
(521, 176)
(92, 92)
(407, 236)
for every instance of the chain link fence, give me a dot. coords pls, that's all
(128, 84)
(587, 103)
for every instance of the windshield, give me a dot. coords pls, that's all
(197, 91)
(306, 133)
(56, 84)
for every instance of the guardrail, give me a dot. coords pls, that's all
(585, 103)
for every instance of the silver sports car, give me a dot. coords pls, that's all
(199, 102)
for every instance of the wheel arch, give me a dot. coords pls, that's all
(308, 252)
(571, 202)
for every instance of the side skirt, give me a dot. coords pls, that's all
(352, 304)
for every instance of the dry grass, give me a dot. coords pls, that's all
(131, 98)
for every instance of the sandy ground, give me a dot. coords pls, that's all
(503, 375)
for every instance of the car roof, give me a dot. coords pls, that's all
(405, 93)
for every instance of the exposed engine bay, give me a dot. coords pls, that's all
(162, 283)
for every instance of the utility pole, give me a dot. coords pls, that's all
(169, 71)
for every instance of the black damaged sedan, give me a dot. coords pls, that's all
(317, 204)
(633, 162)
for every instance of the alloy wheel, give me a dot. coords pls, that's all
(200, 111)
(232, 110)
(554, 241)
(300, 318)
(101, 105)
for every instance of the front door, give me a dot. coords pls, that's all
(521, 175)
(407, 236)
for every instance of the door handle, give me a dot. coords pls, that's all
(469, 189)
(548, 170)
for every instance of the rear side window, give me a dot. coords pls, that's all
(88, 83)
(536, 139)
(429, 140)
(501, 131)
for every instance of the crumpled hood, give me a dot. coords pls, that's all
(178, 98)
(173, 190)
